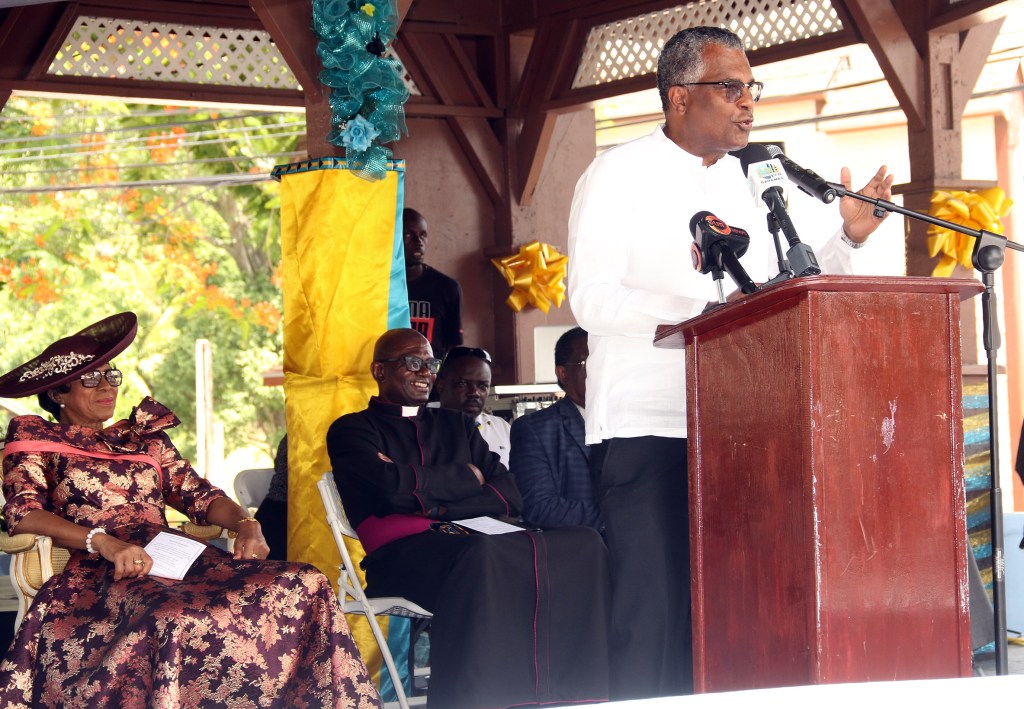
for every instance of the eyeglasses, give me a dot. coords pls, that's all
(415, 364)
(582, 363)
(733, 88)
(91, 380)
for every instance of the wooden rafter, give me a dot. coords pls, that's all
(288, 26)
(442, 70)
(25, 35)
(551, 61)
(901, 62)
(975, 48)
(31, 36)
(403, 10)
(963, 15)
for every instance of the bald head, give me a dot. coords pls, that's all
(394, 342)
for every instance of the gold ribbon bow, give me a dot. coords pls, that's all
(980, 210)
(536, 275)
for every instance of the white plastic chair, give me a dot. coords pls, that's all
(350, 585)
(251, 486)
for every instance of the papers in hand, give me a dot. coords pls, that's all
(173, 555)
(488, 525)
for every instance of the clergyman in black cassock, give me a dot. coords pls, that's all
(520, 619)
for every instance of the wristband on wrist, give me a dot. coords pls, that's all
(248, 519)
(850, 242)
(88, 538)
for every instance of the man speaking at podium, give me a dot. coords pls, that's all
(629, 271)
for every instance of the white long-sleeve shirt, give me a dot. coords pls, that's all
(630, 271)
(498, 434)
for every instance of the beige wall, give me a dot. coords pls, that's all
(572, 149)
(440, 184)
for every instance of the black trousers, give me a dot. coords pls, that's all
(519, 619)
(643, 494)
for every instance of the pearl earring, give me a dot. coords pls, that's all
(62, 406)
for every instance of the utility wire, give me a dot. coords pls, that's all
(183, 144)
(241, 178)
(161, 166)
(114, 146)
(611, 123)
(155, 126)
(175, 111)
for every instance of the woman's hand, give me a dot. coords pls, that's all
(130, 560)
(249, 541)
(250, 544)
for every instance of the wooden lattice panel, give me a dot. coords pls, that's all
(103, 47)
(390, 53)
(630, 47)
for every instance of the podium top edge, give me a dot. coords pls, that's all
(672, 336)
(325, 163)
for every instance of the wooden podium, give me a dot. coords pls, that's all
(827, 522)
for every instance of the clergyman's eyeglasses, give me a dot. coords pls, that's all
(415, 364)
(91, 380)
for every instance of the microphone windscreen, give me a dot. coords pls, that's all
(751, 154)
(695, 221)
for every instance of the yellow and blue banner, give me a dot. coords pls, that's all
(343, 271)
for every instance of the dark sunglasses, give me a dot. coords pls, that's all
(463, 351)
(415, 364)
(91, 380)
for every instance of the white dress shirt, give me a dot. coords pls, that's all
(630, 271)
(497, 432)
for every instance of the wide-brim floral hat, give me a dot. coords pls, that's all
(69, 357)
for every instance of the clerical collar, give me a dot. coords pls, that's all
(394, 409)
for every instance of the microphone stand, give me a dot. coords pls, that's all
(800, 256)
(773, 229)
(718, 275)
(988, 255)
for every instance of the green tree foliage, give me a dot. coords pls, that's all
(86, 232)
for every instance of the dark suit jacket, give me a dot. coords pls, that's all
(549, 460)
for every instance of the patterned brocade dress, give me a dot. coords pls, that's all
(245, 633)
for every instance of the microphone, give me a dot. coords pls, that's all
(717, 247)
(808, 181)
(764, 173)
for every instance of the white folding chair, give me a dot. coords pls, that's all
(350, 585)
(251, 486)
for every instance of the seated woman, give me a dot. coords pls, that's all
(237, 631)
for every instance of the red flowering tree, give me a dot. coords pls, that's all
(109, 207)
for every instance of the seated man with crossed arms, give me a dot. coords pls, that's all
(520, 619)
